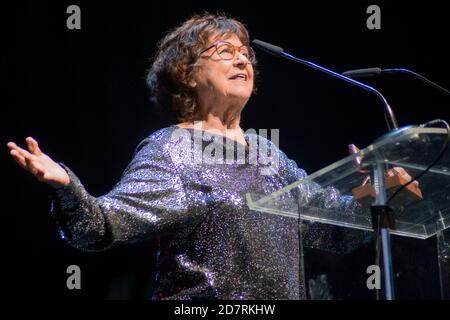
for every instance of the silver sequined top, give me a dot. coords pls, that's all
(212, 246)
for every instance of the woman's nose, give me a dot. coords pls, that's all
(240, 59)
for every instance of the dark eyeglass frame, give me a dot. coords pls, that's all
(251, 52)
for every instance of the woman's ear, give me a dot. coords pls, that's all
(191, 79)
(192, 83)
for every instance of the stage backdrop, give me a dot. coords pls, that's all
(81, 93)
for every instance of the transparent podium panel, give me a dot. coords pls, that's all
(336, 224)
(412, 149)
(443, 249)
(335, 267)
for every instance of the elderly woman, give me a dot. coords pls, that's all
(212, 246)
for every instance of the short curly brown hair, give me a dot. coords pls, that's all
(174, 62)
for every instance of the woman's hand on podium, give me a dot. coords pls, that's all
(39, 164)
(395, 178)
(390, 173)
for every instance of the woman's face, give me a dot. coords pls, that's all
(219, 81)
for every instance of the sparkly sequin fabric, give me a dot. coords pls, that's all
(212, 246)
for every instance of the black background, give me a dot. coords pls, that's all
(82, 95)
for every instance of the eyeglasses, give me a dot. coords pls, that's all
(227, 51)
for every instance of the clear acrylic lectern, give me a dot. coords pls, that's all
(412, 149)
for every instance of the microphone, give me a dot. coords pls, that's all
(374, 72)
(279, 52)
(363, 73)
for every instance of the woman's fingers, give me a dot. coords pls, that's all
(34, 167)
(37, 163)
(24, 153)
(18, 158)
(401, 171)
(29, 165)
(25, 159)
(33, 146)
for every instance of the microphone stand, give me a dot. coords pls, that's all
(382, 215)
(389, 114)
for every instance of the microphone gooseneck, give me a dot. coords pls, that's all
(374, 72)
(362, 73)
(279, 52)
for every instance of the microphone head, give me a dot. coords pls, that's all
(267, 47)
(363, 73)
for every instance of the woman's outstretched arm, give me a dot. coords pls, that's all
(149, 200)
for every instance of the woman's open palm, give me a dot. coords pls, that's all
(39, 164)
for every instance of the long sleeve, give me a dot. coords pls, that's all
(319, 235)
(150, 200)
